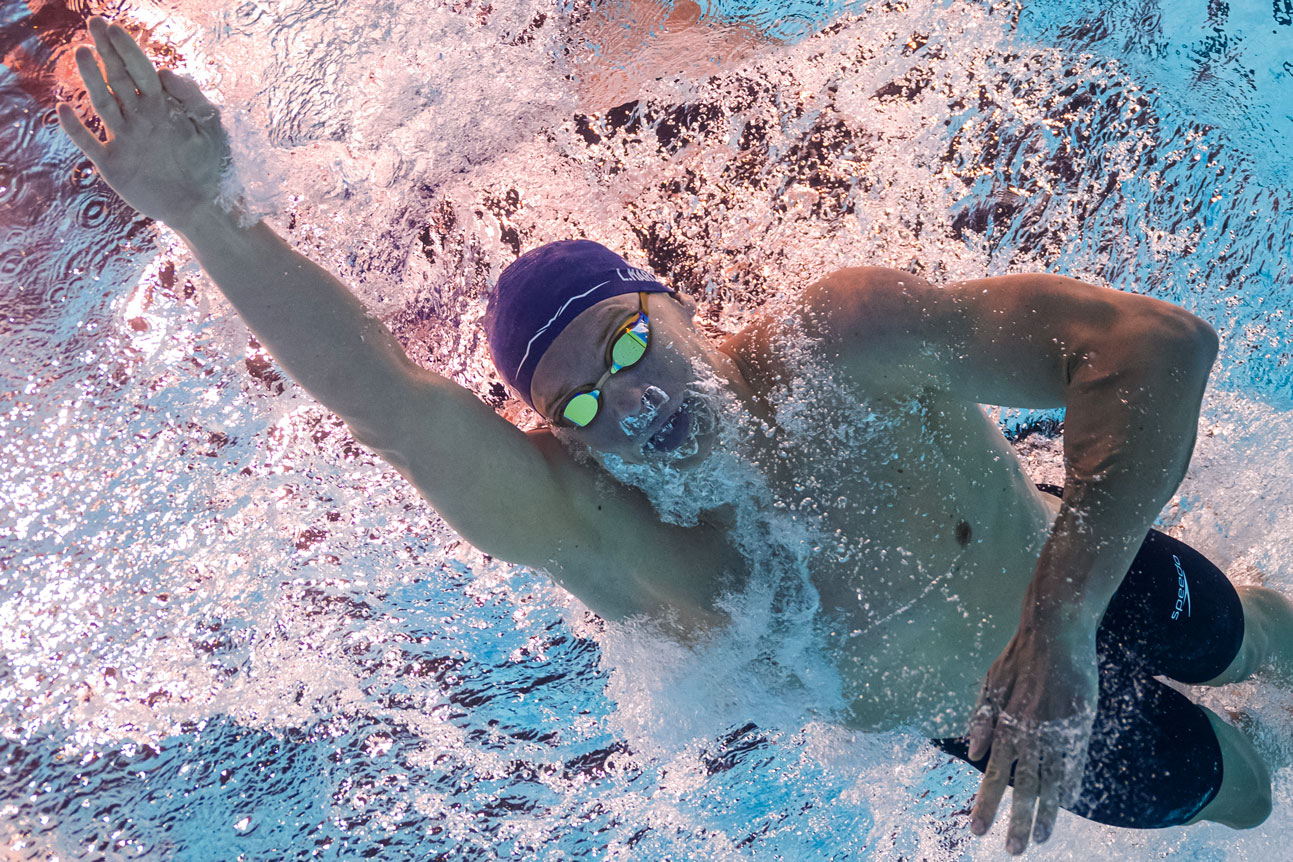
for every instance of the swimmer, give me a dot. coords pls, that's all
(1068, 604)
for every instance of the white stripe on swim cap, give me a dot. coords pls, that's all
(552, 320)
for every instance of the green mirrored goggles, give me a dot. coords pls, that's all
(627, 347)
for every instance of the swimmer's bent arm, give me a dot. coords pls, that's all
(1130, 372)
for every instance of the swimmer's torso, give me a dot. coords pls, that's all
(928, 531)
(910, 513)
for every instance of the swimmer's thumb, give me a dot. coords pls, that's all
(185, 91)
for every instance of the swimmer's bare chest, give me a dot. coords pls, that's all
(928, 532)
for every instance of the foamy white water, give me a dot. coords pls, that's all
(228, 629)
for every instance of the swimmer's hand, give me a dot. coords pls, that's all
(167, 151)
(1035, 712)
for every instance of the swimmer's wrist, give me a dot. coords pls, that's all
(205, 218)
(1061, 620)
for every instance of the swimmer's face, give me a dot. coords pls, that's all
(648, 410)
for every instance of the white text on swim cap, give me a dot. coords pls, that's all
(635, 274)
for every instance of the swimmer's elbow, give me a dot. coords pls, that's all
(1207, 343)
(1173, 346)
(1188, 344)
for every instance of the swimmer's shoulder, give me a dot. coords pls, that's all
(757, 352)
(858, 313)
(874, 304)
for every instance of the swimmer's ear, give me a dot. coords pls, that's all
(689, 304)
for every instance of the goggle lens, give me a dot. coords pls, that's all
(630, 346)
(581, 409)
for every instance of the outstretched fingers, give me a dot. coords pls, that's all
(118, 78)
(1048, 803)
(993, 787)
(105, 104)
(190, 97)
(137, 64)
(85, 140)
(1022, 803)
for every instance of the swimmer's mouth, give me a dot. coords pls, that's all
(679, 437)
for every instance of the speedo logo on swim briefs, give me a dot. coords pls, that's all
(1182, 590)
(635, 274)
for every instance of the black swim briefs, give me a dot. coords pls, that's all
(1154, 759)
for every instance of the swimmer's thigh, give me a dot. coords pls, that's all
(1154, 761)
(1175, 614)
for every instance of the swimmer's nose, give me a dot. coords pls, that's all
(635, 421)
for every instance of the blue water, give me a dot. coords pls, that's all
(228, 632)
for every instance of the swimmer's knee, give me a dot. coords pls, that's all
(1252, 811)
(1244, 799)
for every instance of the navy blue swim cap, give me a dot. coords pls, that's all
(540, 292)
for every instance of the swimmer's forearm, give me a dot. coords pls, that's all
(1081, 567)
(316, 329)
(1129, 433)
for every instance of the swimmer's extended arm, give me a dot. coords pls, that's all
(517, 496)
(1131, 372)
(166, 158)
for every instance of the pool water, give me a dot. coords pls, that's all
(228, 631)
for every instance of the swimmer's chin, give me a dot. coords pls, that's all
(691, 452)
(583, 453)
